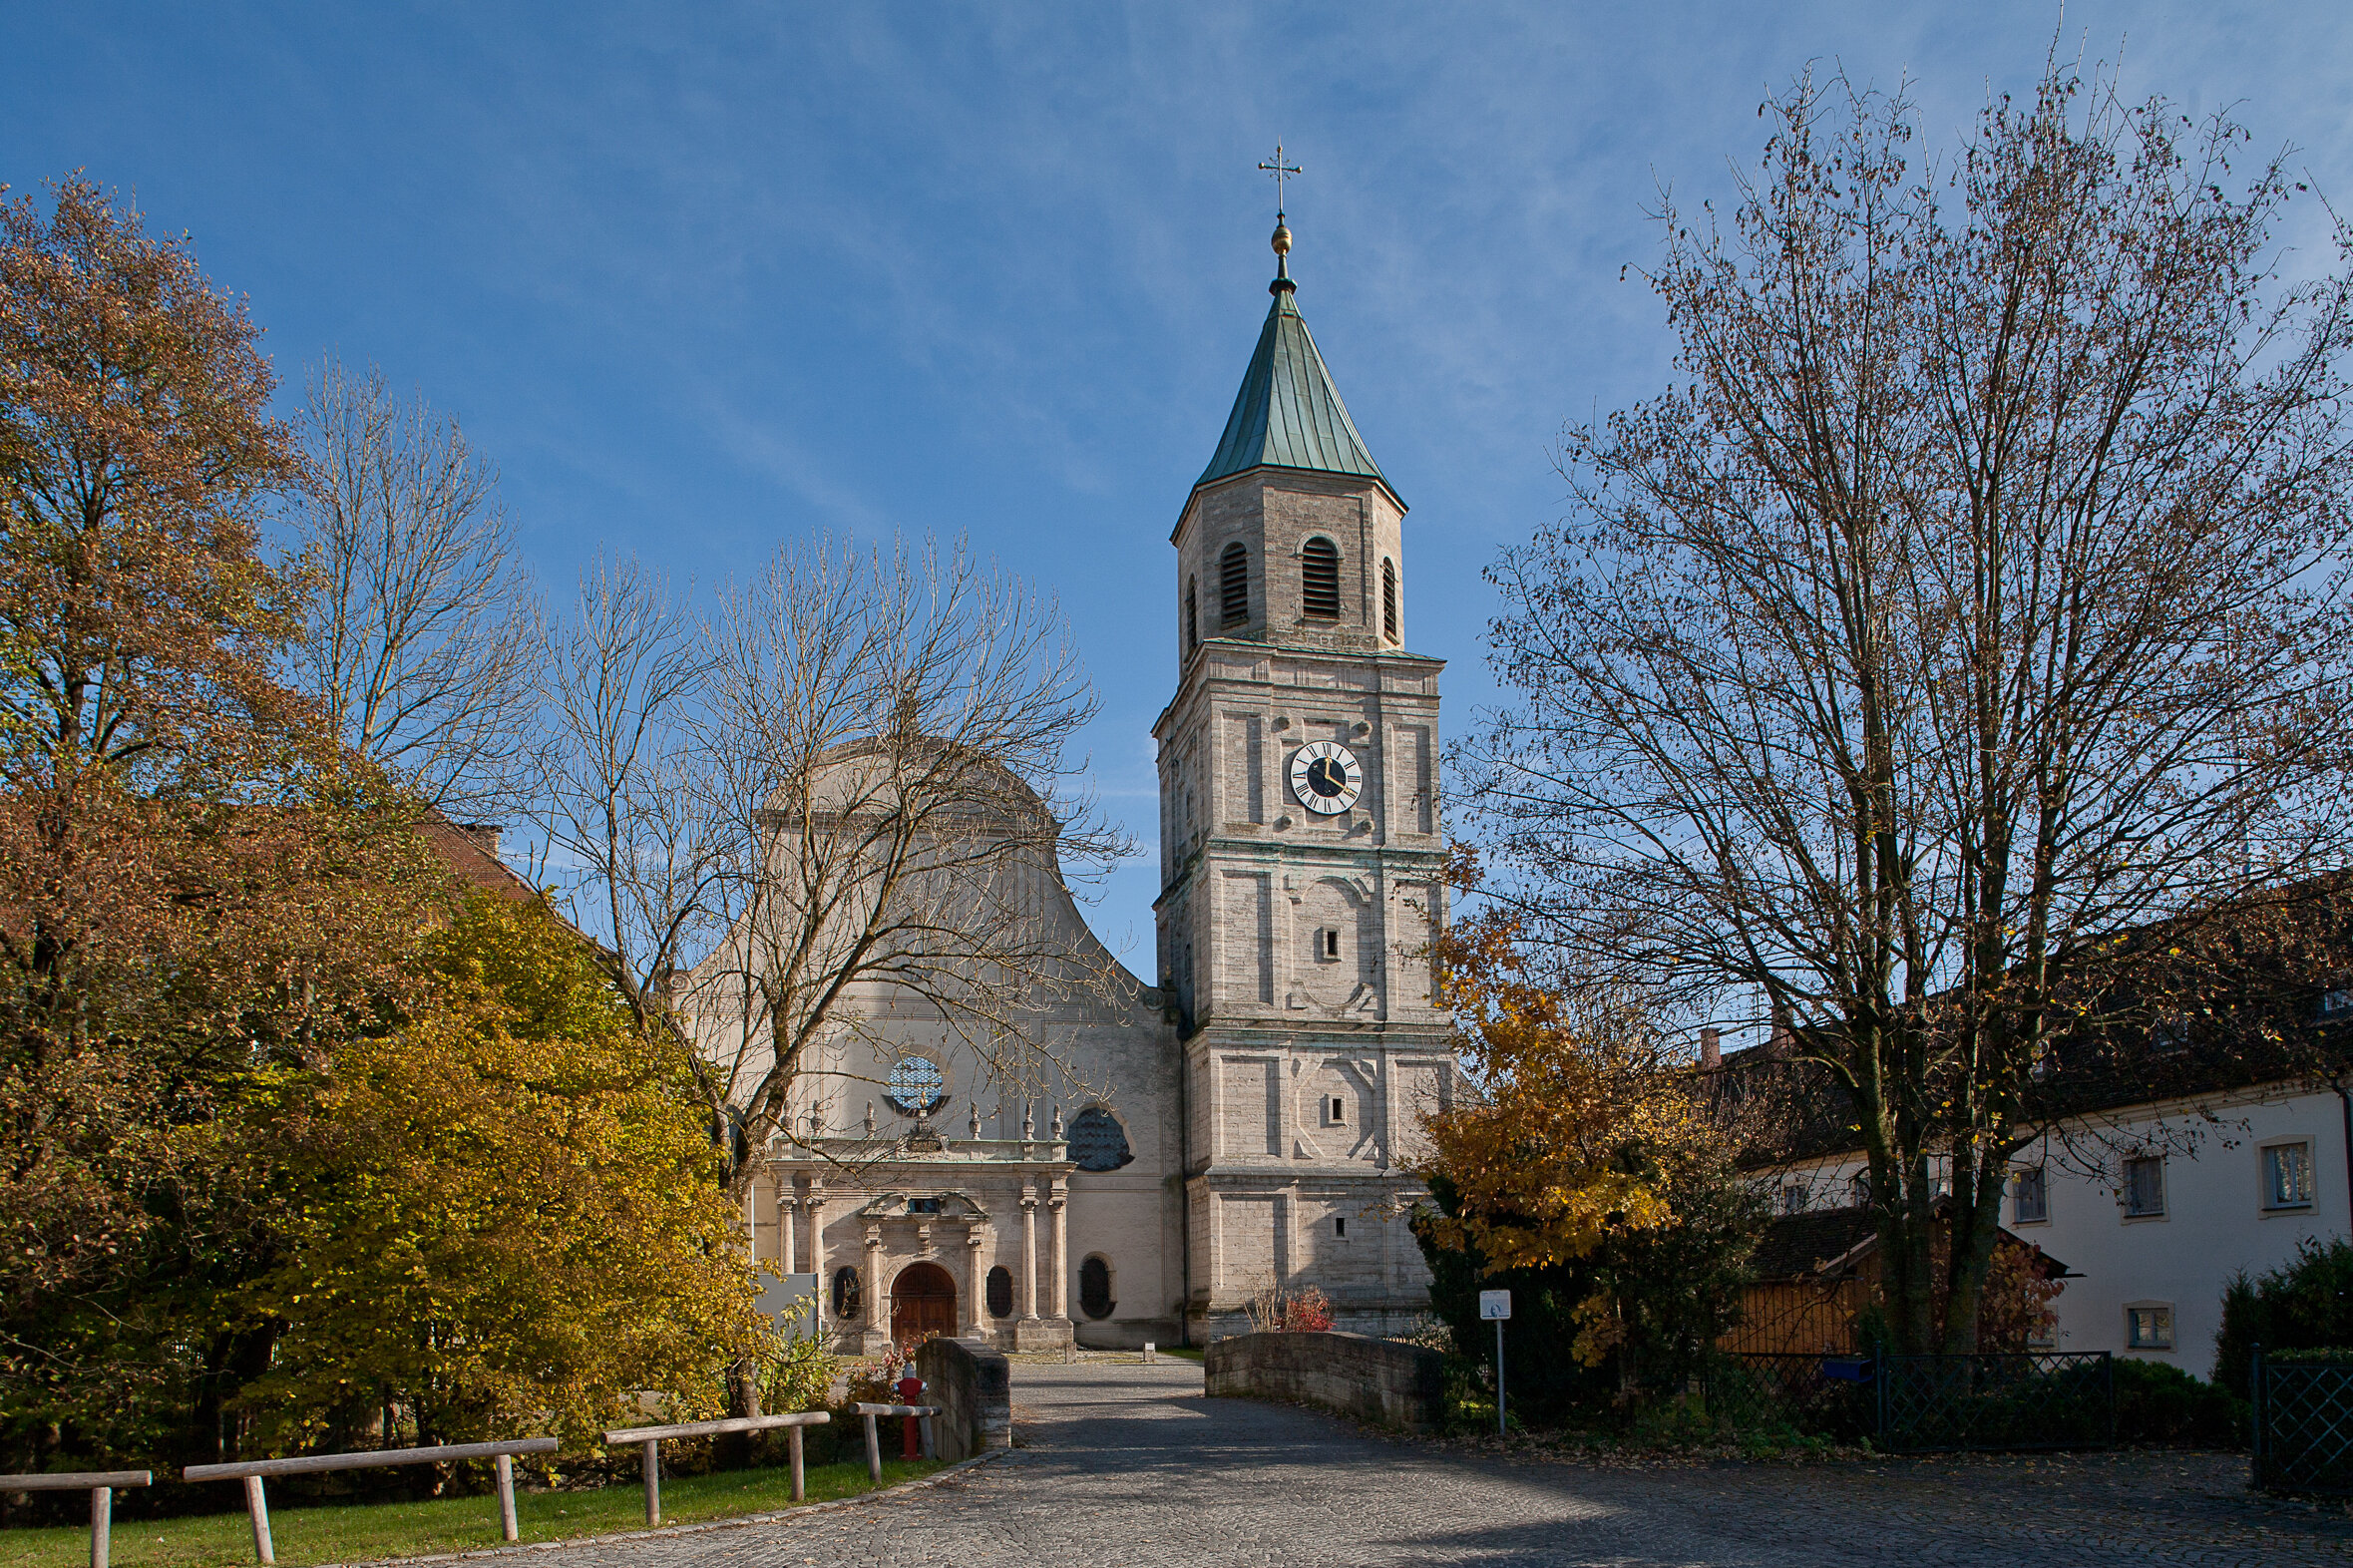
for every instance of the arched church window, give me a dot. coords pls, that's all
(1094, 1287)
(1388, 598)
(1097, 1141)
(1000, 1291)
(1192, 620)
(1319, 580)
(846, 1295)
(1233, 585)
(916, 1086)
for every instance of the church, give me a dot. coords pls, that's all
(1243, 1120)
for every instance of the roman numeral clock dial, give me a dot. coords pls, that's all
(1326, 777)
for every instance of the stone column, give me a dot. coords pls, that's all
(1061, 1250)
(877, 1322)
(1028, 1251)
(788, 1246)
(815, 1204)
(976, 1285)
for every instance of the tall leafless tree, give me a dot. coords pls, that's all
(837, 809)
(1979, 593)
(424, 626)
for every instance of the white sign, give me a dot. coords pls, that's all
(1495, 1305)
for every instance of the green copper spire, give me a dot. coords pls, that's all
(1288, 413)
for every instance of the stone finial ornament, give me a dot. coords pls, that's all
(869, 1118)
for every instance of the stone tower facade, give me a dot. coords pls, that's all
(1302, 856)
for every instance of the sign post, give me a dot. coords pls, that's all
(1496, 1306)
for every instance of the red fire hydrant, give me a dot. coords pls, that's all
(910, 1391)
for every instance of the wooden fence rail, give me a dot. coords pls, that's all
(649, 1439)
(99, 1484)
(874, 1444)
(251, 1472)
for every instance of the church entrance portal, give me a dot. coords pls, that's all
(923, 1301)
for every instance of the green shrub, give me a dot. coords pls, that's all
(2163, 1406)
(2305, 1305)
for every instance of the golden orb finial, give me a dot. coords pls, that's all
(1281, 239)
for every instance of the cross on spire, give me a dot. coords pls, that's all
(1277, 170)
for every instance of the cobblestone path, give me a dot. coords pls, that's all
(1133, 1465)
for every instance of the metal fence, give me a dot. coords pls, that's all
(1927, 1404)
(2304, 1425)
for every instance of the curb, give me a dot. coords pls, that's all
(665, 1532)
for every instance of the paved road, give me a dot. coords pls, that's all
(1133, 1465)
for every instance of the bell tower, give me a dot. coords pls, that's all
(1301, 852)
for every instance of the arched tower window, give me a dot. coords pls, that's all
(1388, 598)
(1319, 580)
(1192, 620)
(1233, 585)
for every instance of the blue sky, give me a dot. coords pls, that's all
(699, 278)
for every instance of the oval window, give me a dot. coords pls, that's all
(1094, 1288)
(1000, 1291)
(845, 1292)
(916, 1086)
(1097, 1141)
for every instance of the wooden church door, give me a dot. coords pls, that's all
(923, 1301)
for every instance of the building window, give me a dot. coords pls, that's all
(2335, 1003)
(1858, 1189)
(1793, 1198)
(2029, 1197)
(1000, 1291)
(1319, 579)
(1336, 1109)
(2149, 1326)
(1094, 1287)
(917, 1085)
(1192, 620)
(2145, 1186)
(1097, 1141)
(846, 1295)
(1388, 598)
(1339, 1224)
(1328, 945)
(2287, 1176)
(1233, 586)
(2169, 1033)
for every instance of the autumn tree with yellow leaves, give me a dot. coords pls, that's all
(1580, 1170)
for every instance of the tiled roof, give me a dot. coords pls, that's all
(1288, 413)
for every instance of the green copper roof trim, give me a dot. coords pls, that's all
(1288, 413)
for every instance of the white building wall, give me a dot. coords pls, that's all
(2215, 1223)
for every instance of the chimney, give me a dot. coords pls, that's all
(485, 836)
(1711, 1048)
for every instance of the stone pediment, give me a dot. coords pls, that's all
(955, 1205)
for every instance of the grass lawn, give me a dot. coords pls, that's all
(452, 1524)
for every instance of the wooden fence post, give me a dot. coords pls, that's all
(257, 1505)
(792, 1436)
(102, 1523)
(652, 1452)
(506, 1464)
(874, 1452)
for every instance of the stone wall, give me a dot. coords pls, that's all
(1373, 1379)
(975, 1391)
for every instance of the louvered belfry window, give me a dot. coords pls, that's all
(1388, 599)
(1192, 625)
(1233, 585)
(1319, 580)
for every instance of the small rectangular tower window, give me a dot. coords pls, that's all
(1328, 945)
(1388, 598)
(1339, 1111)
(1340, 1225)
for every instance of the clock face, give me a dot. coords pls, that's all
(1326, 777)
